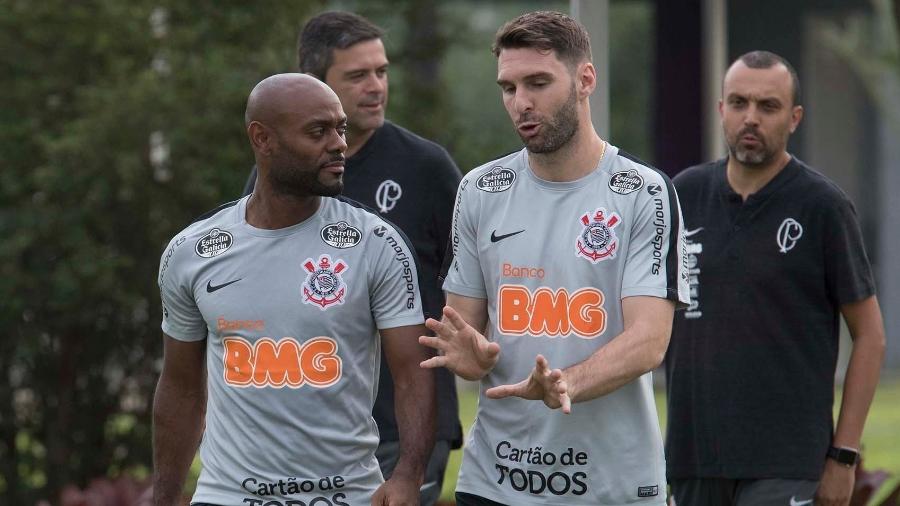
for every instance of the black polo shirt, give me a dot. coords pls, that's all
(412, 182)
(750, 367)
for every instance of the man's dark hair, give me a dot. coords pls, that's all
(767, 60)
(329, 31)
(545, 31)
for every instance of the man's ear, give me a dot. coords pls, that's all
(796, 116)
(586, 75)
(261, 138)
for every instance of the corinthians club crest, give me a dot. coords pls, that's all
(598, 241)
(324, 286)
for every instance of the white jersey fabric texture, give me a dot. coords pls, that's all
(291, 319)
(554, 260)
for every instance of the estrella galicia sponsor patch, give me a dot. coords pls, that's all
(216, 242)
(597, 241)
(649, 491)
(498, 179)
(341, 235)
(324, 285)
(626, 181)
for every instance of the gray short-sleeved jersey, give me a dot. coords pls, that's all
(290, 317)
(554, 261)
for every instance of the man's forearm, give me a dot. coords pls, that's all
(859, 389)
(414, 406)
(628, 356)
(177, 427)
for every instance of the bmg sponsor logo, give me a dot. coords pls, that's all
(549, 312)
(285, 363)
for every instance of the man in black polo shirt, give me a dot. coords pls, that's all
(411, 181)
(776, 256)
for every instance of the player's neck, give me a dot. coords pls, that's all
(356, 139)
(271, 210)
(578, 158)
(746, 180)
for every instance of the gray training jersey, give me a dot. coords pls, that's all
(554, 260)
(290, 317)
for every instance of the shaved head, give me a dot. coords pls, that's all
(296, 127)
(282, 94)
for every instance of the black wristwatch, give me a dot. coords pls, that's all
(846, 456)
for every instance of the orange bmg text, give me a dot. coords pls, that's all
(267, 363)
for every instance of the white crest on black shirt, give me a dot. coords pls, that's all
(387, 195)
(789, 233)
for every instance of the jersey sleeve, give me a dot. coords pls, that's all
(394, 283)
(464, 276)
(847, 270)
(181, 316)
(656, 264)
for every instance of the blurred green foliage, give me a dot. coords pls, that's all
(119, 123)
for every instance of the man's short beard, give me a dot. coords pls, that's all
(751, 158)
(559, 130)
(288, 179)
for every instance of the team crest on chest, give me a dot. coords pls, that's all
(324, 285)
(598, 241)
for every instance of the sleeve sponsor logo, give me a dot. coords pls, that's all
(169, 253)
(387, 195)
(341, 235)
(407, 274)
(214, 243)
(454, 232)
(286, 363)
(789, 233)
(324, 285)
(498, 179)
(626, 181)
(569, 478)
(551, 313)
(598, 241)
(654, 189)
(659, 230)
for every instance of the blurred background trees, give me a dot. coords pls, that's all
(119, 123)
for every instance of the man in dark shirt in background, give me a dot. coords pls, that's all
(776, 257)
(411, 181)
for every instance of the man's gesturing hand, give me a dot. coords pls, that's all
(543, 384)
(464, 350)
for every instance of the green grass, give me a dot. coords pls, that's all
(880, 441)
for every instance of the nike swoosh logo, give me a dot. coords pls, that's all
(795, 502)
(210, 288)
(688, 233)
(497, 238)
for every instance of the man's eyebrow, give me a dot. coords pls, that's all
(529, 77)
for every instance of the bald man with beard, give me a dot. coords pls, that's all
(275, 310)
